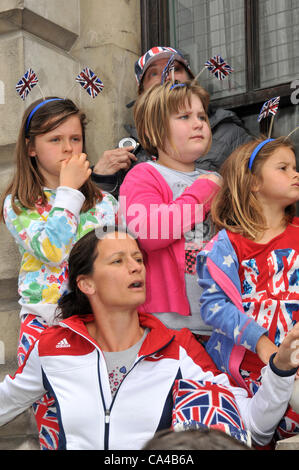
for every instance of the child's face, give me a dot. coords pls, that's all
(279, 182)
(52, 148)
(190, 135)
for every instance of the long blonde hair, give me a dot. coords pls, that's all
(236, 207)
(154, 107)
(27, 184)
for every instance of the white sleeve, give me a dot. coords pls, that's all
(19, 392)
(262, 412)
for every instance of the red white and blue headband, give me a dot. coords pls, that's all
(86, 78)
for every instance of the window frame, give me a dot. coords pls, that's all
(155, 32)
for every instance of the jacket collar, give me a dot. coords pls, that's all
(157, 338)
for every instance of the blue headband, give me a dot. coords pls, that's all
(36, 108)
(256, 151)
(176, 85)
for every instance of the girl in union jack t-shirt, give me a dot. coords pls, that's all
(250, 270)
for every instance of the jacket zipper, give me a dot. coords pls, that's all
(107, 425)
(108, 411)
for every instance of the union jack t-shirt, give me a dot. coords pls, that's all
(269, 275)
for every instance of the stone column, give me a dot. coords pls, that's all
(109, 43)
(57, 38)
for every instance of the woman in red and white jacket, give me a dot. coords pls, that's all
(111, 370)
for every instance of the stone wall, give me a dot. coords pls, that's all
(57, 38)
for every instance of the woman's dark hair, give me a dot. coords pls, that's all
(81, 261)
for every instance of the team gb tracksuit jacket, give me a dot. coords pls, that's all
(67, 362)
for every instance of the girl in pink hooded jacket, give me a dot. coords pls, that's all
(166, 202)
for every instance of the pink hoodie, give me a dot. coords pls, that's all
(160, 222)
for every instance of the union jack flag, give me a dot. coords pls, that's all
(45, 413)
(31, 328)
(44, 409)
(90, 82)
(205, 402)
(26, 83)
(269, 107)
(289, 425)
(218, 67)
(168, 68)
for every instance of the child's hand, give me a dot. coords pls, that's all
(287, 356)
(212, 177)
(75, 171)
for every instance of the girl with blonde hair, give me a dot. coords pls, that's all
(166, 203)
(50, 204)
(249, 272)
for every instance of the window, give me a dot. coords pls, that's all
(258, 38)
(279, 41)
(202, 29)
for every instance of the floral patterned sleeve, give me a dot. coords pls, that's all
(47, 232)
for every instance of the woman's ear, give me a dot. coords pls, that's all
(86, 285)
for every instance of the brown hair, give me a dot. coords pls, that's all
(27, 184)
(81, 261)
(235, 207)
(154, 107)
(203, 438)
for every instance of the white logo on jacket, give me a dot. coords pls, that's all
(63, 344)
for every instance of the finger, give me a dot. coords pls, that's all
(86, 165)
(133, 157)
(123, 154)
(129, 148)
(121, 165)
(82, 157)
(121, 159)
(78, 157)
(124, 166)
(117, 152)
(64, 163)
(125, 151)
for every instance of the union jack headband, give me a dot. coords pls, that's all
(256, 151)
(39, 105)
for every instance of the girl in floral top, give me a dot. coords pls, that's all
(48, 206)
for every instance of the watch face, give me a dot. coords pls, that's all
(127, 142)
